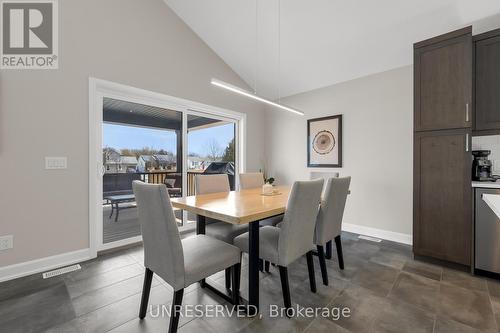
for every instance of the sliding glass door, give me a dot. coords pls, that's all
(211, 149)
(140, 142)
(157, 145)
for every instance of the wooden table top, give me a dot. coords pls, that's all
(240, 207)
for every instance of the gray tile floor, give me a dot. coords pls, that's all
(384, 288)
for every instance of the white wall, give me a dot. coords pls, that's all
(45, 113)
(377, 145)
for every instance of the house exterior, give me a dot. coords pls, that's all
(145, 163)
(129, 163)
(165, 162)
(148, 163)
(196, 162)
(114, 163)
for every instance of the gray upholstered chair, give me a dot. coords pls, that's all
(282, 246)
(329, 221)
(206, 184)
(179, 262)
(251, 180)
(256, 180)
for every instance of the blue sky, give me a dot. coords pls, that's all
(122, 136)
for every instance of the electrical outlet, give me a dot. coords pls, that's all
(6, 242)
(54, 163)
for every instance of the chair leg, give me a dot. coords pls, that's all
(175, 311)
(338, 244)
(328, 250)
(310, 268)
(202, 283)
(228, 278)
(236, 273)
(285, 287)
(112, 210)
(322, 264)
(148, 278)
(266, 266)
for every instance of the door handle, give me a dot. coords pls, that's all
(466, 141)
(467, 112)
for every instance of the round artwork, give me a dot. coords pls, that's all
(323, 142)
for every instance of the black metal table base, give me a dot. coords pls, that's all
(252, 304)
(226, 296)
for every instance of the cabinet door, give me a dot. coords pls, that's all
(442, 195)
(443, 83)
(487, 80)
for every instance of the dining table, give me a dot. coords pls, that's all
(247, 207)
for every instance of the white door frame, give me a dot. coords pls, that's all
(98, 89)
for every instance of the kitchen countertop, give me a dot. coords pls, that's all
(486, 184)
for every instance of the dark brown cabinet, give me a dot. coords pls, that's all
(442, 220)
(442, 195)
(443, 82)
(487, 82)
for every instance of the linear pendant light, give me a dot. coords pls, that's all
(246, 93)
(254, 95)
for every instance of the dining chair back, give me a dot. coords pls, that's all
(323, 175)
(251, 180)
(297, 231)
(163, 252)
(178, 262)
(205, 184)
(329, 221)
(283, 245)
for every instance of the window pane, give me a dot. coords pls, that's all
(140, 142)
(211, 150)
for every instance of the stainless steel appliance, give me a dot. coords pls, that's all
(487, 234)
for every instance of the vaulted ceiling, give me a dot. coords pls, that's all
(323, 42)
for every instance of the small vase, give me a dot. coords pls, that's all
(267, 188)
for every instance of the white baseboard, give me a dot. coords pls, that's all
(64, 259)
(379, 233)
(43, 264)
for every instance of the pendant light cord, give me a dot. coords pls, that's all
(256, 46)
(279, 51)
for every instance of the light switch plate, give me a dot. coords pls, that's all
(6, 242)
(56, 163)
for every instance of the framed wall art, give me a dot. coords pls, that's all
(324, 142)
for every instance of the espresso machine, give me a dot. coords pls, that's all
(481, 167)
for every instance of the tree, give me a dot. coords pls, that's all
(144, 151)
(213, 149)
(127, 152)
(110, 154)
(228, 155)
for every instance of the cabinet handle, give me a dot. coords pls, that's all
(466, 112)
(467, 142)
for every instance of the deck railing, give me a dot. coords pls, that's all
(122, 182)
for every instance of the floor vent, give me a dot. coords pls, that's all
(371, 239)
(61, 271)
